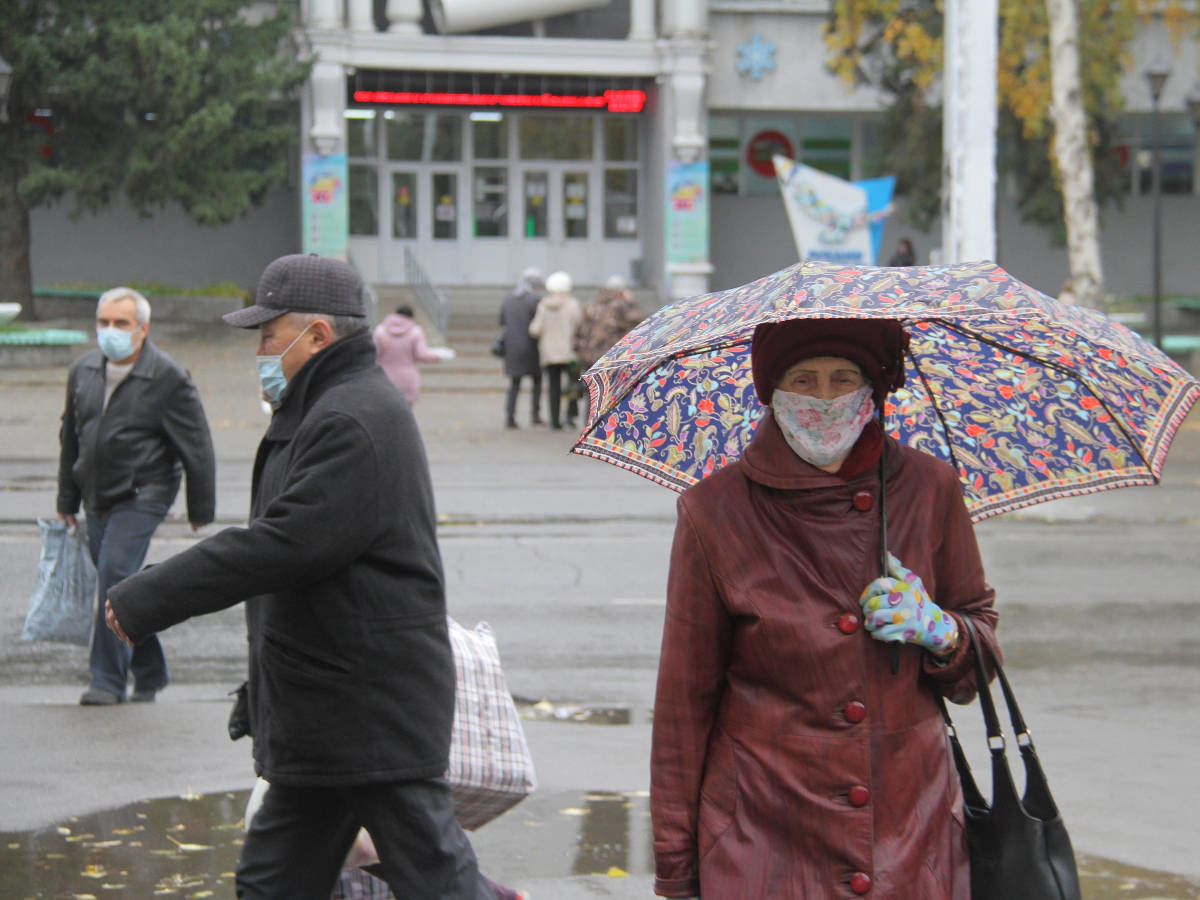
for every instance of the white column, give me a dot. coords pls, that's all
(969, 132)
(325, 14)
(685, 96)
(685, 18)
(361, 15)
(328, 86)
(641, 22)
(404, 16)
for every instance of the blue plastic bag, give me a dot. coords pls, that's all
(63, 602)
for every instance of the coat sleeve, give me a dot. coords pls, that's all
(421, 351)
(318, 524)
(963, 591)
(187, 430)
(691, 677)
(67, 502)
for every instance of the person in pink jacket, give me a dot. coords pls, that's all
(400, 345)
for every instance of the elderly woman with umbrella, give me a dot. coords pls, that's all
(795, 754)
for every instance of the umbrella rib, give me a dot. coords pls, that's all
(1067, 370)
(937, 411)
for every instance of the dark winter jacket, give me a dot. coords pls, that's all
(351, 679)
(153, 430)
(787, 760)
(520, 349)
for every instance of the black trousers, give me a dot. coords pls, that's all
(510, 401)
(298, 840)
(554, 377)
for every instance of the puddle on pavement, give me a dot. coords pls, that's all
(187, 847)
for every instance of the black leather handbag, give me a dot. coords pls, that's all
(1018, 844)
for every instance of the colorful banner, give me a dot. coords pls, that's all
(833, 219)
(687, 212)
(325, 206)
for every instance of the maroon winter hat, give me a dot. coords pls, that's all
(876, 345)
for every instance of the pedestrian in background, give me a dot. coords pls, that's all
(400, 346)
(132, 425)
(606, 318)
(554, 325)
(520, 348)
(350, 698)
(789, 759)
(904, 255)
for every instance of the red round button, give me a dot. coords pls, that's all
(855, 711)
(860, 882)
(863, 501)
(847, 623)
(859, 795)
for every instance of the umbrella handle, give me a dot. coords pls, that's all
(883, 541)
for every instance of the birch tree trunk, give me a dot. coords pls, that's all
(1072, 155)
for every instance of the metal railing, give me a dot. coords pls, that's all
(428, 297)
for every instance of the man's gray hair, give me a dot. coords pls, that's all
(342, 326)
(141, 304)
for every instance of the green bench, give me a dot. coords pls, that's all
(1181, 343)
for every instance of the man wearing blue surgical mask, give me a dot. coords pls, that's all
(132, 426)
(350, 695)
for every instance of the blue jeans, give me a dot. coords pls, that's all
(119, 540)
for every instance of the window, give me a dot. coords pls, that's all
(724, 153)
(445, 206)
(620, 139)
(364, 200)
(566, 136)
(491, 201)
(447, 137)
(620, 203)
(489, 135)
(825, 144)
(537, 185)
(575, 204)
(405, 135)
(404, 205)
(360, 132)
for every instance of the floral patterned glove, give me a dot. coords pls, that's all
(898, 609)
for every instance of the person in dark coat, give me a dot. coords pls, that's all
(788, 760)
(350, 697)
(520, 349)
(905, 255)
(133, 424)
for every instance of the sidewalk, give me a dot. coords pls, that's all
(566, 558)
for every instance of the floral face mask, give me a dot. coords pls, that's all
(822, 432)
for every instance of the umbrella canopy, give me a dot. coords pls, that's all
(1028, 398)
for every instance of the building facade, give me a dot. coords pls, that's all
(602, 137)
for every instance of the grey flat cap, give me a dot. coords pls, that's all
(302, 283)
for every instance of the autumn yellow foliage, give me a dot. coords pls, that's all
(908, 36)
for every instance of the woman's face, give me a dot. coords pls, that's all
(824, 377)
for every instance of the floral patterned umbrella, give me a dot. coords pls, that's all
(1028, 398)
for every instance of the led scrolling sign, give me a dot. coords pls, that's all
(615, 101)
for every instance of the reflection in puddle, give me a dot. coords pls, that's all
(187, 847)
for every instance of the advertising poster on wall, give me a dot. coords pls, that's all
(833, 219)
(687, 212)
(325, 206)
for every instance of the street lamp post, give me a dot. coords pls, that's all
(1156, 76)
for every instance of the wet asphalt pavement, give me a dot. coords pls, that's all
(566, 559)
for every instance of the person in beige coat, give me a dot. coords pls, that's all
(554, 324)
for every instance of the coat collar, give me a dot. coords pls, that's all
(769, 461)
(146, 366)
(343, 359)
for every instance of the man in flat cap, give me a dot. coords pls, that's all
(351, 679)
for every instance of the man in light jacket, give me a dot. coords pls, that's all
(132, 425)
(351, 678)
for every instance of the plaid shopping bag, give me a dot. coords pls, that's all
(491, 769)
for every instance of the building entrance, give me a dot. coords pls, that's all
(479, 196)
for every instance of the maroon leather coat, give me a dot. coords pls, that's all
(787, 760)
